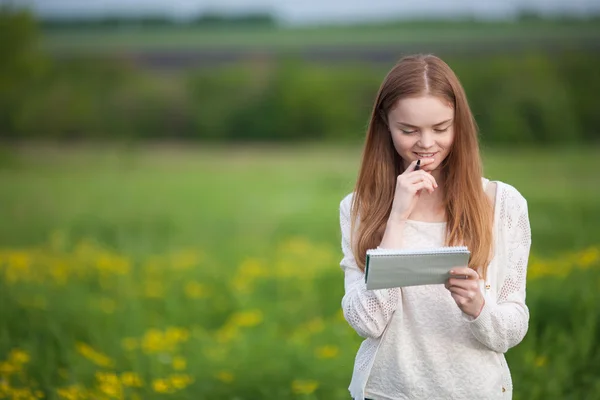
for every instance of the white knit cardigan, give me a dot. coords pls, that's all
(503, 321)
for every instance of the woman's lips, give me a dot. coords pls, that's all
(425, 155)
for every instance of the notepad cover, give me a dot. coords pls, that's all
(388, 268)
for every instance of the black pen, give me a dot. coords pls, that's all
(418, 166)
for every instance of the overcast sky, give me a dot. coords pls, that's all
(309, 11)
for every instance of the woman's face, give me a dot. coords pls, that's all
(422, 127)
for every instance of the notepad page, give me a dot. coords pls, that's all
(414, 267)
(435, 250)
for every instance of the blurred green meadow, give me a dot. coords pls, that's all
(196, 271)
(169, 199)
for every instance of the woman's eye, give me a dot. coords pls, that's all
(407, 132)
(440, 130)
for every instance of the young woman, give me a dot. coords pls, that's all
(433, 341)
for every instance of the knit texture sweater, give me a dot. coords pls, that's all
(418, 344)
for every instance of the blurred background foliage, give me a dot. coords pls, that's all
(528, 96)
(169, 196)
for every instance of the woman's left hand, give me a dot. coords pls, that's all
(463, 285)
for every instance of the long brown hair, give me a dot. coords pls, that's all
(469, 212)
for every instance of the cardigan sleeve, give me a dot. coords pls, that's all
(367, 311)
(504, 323)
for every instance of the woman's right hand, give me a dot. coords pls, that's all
(408, 186)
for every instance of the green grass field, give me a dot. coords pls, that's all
(213, 272)
(295, 38)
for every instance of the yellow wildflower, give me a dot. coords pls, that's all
(538, 269)
(111, 264)
(59, 272)
(107, 377)
(247, 318)
(225, 376)
(72, 392)
(179, 363)
(94, 356)
(7, 368)
(22, 393)
(540, 361)
(152, 341)
(112, 390)
(253, 268)
(177, 335)
(304, 386)
(250, 270)
(18, 267)
(185, 259)
(180, 381)
(195, 290)
(161, 386)
(18, 357)
(327, 351)
(296, 245)
(155, 340)
(131, 379)
(85, 249)
(19, 260)
(315, 325)
(109, 384)
(589, 257)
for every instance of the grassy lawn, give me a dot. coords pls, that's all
(180, 196)
(212, 272)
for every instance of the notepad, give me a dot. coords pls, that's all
(386, 268)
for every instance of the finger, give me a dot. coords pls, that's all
(464, 273)
(469, 284)
(414, 183)
(461, 301)
(422, 185)
(465, 294)
(418, 176)
(423, 162)
(448, 284)
(421, 173)
(431, 187)
(429, 177)
(426, 161)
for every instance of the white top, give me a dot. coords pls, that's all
(418, 344)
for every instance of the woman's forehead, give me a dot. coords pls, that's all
(421, 111)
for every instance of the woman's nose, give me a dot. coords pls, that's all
(426, 140)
